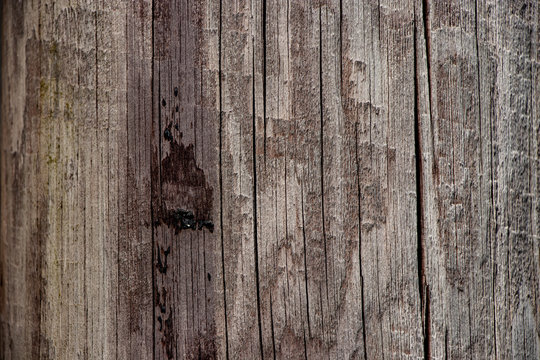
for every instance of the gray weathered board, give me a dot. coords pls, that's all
(338, 179)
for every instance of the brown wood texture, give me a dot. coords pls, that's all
(278, 179)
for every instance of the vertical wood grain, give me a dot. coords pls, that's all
(479, 127)
(23, 212)
(269, 179)
(185, 187)
(83, 267)
(135, 286)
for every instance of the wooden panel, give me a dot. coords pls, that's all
(185, 187)
(515, 129)
(238, 181)
(378, 86)
(457, 206)
(23, 211)
(290, 224)
(479, 129)
(270, 179)
(82, 259)
(135, 287)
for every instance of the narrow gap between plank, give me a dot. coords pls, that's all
(423, 288)
(264, 72)
(305, 262)
(360, 241)
(255, 235)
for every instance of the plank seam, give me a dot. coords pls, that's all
(423, 287)
(255, 235)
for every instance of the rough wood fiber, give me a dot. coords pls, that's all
(477, 66)
(185, 186)
(270, 179)
(135, 287)
(76, 244)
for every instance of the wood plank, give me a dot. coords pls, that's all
(515, 129)
(458, 268)
(478, 139)
(287, 139)
(185, 187)
(379, 84)
(135, 286)
(238, 182)
(22, 211)
(74, 154)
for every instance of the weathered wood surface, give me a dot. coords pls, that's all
(270, 179)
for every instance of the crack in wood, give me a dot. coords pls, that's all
(423, 287)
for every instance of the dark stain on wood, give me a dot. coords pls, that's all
(162, 18)
(180, 167)
(203, 347)
(168, 340)
(205, 224)
(180, 219)
(162, 266)
(187, 196)
(160, 299)
(167, 134)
